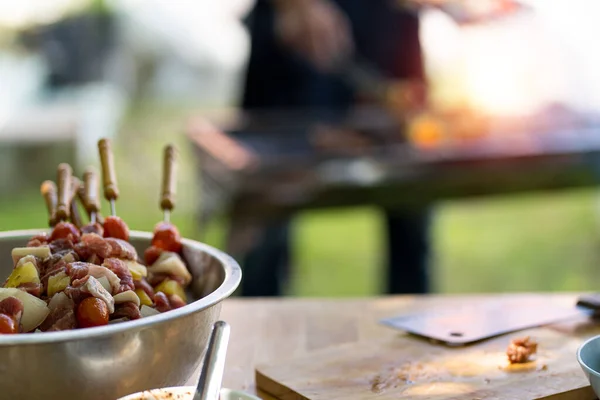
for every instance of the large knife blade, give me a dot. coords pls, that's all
(475, 322)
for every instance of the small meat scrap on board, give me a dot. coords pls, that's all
(520, 350)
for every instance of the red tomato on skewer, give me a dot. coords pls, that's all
(167, 237)
(92, 312)
(115, 227)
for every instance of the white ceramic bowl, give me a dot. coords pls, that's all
(185, 393)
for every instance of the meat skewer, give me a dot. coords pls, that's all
(167, 201)
(89, 195)
(83, 276)
(63, 180)
(167, 272)
(48, 190)
(63, 228)
(74, 211)
(114, 226)
(166, 235)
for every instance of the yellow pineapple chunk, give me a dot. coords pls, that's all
(145, 300)
(138, 271)
(169, 287)
(58, 283)
(24, 272)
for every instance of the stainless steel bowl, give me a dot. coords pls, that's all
(112, 361)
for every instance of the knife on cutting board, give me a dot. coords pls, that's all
(475, 322)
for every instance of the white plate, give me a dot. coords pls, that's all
(185, 393)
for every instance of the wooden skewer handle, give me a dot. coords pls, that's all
(76, 184)
(48, 190)
(109, 177)
(63, 181)
(169, 183)
(91, 200)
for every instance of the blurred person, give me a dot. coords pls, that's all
(295, 47)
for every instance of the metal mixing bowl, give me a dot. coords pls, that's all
(109, 362)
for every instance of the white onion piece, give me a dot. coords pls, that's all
(58, 300)
(42, 252)
(148, 311)
(95, 288)
(170, 263)
(127, 296)
(35, 310)
(111, 281)
(105, 283)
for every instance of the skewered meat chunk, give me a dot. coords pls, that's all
(162, 302)
(11, 310)
(152, 254)
(93, 244)
(520, 350)
(32, 288)
(38, 240)
(120, 269)
(65, 230)
(75, 293)
(12, 307)
(128, 310)
(115, 227)
(62, 314)
(176, 301)
(93, 228)
(121, 249)
(62, 246)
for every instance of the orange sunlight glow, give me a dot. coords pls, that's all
(507, 67)
(496, 74)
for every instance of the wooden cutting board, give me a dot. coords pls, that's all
(406, 367)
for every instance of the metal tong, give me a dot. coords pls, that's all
(211, 376)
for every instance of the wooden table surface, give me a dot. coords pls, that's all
(273, 330)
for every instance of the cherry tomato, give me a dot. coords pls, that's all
(167, 237)
(92, 312)
(8, 325)
(151, 255)
(62, 230)
(114, 227)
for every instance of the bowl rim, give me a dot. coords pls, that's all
(580, 360)
(183, 389)
(233, 276)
